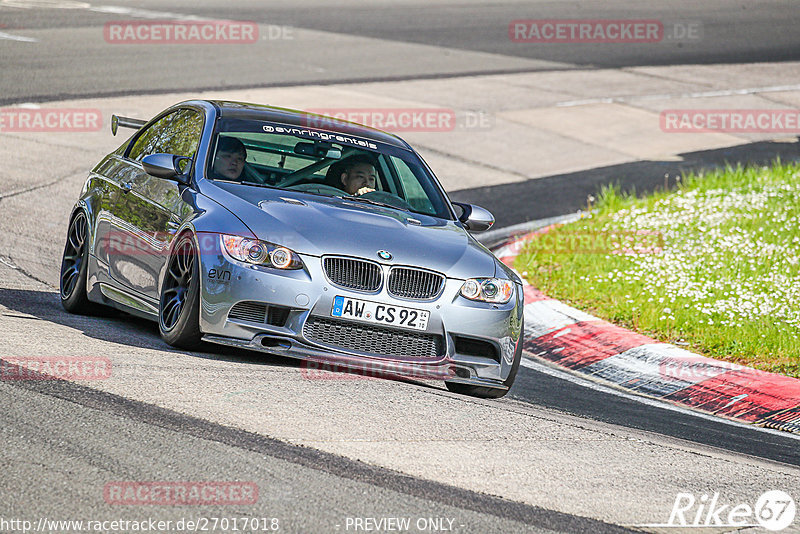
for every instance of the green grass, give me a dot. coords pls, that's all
(713, 266)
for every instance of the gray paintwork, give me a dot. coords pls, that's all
(123, 201)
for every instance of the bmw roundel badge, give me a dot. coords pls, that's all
(384, 255)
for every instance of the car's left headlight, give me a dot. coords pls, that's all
(260, 252)
(494, 290)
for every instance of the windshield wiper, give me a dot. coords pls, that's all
(373, 202)
(257, 184)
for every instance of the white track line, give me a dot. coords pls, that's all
(144, 13)
(9, 37)
(44, 4)
(583, 382)
(112, 10)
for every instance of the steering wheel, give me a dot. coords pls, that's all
(249, 174)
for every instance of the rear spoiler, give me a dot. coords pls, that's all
(125, 122)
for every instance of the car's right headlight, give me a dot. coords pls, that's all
(494, 290)
(260, 252)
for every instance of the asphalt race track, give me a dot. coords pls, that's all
(346, 42)
(555, 455)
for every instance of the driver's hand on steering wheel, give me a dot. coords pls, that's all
(363, 191)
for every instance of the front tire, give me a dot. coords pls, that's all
(179, 305)
(492, 393)
(74, 263)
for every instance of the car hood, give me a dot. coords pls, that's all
(317, 225)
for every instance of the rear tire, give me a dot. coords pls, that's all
(74, 263)
(179, 305)
(487, 392)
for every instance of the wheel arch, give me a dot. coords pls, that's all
(186, 228)
(86, 205)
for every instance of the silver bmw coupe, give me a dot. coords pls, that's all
(294, 234)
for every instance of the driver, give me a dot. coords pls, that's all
(359, 175)
(230, 158)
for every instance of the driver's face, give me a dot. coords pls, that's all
(229, 164)
(361, 175)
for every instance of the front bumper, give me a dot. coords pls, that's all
(459, 324)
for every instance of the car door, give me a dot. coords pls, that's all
(104, 182)
(151, 205)
(125, 264)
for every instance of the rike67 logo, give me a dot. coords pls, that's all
(774, 510)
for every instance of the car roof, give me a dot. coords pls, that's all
(293, 117)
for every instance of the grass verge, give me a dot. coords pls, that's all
(713, 266)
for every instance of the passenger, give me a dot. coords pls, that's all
(359, 175)
(229, 161)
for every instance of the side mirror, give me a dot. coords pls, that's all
(168, 167)
(475, 218)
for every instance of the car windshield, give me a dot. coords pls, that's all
(265, 154)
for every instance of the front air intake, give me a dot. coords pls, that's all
(353, 273)
(411, 283)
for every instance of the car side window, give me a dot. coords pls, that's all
(414, 193)
(182, 136)
(148, 142)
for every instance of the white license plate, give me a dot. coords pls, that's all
(375, 312)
